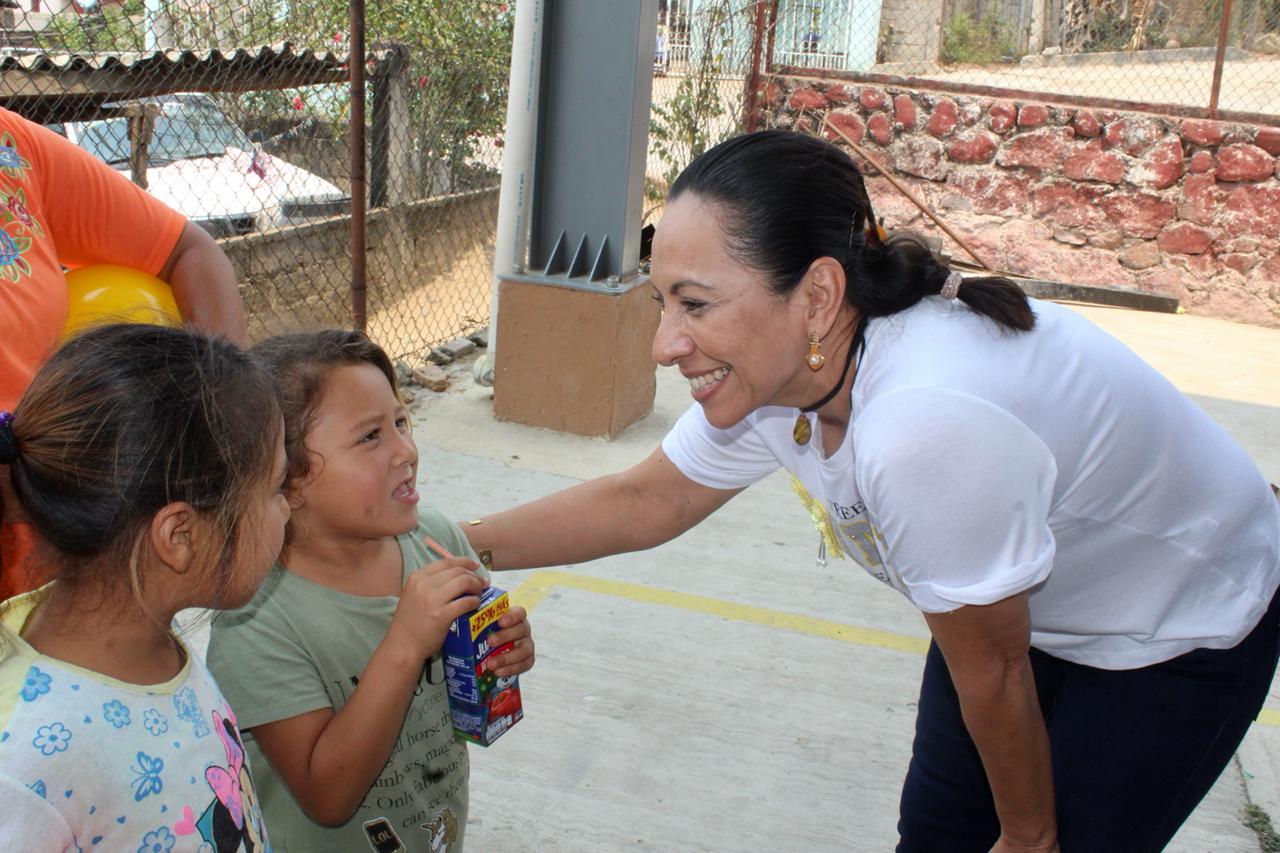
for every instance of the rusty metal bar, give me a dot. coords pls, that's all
(751, 99)
(773, 31)
(359, 196)
(949, 87)
(1224, 29)
(902, 188)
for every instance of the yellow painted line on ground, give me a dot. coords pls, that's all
(530, 593)
(541, 583)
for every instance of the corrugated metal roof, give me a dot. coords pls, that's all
(273, 55)
(62, 86)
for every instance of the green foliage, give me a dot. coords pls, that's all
(977, 42)
(110, 28)
(701, 112)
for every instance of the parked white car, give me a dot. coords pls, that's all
(201, 164)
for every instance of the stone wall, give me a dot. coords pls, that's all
(299, 277)
(1185, 207)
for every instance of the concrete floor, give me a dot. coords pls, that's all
(722, 692)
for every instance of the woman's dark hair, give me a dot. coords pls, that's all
(787, 199)
(301, 362)
(126, 419)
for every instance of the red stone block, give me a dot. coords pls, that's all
(970, 113)
(920, 156)
(973, 148)
(1199, 198)
(1039, 149)
(1201, 161)
(839, 94)
(1240, 263)
(1090, 163)
(1067, 204)
(1138, 214)
(807, 99)
(872, 99)
(1201, 132)
(904, 112)
(1161, 168)
(880, 128)
(1139, 135)
(944, 118)
(991, 192)
(1268, 139)
(1184, 238)
(1086, 124)
(1002, 117)
(1113, 133)
(1244, 163)
(1033, 115)
(848, 122)
(1251, 209)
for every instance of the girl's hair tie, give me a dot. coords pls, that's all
(8, 442)
(951, 287)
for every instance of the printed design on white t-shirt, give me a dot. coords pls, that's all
(846, 531)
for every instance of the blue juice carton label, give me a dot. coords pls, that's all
(483, 706)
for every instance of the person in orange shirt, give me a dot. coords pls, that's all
(62, 208)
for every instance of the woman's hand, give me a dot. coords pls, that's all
(513, 628)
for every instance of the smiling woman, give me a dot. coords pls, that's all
(1096, 559)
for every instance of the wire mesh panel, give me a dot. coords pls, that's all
(238, 115)
(702, 58)
(1145, 52)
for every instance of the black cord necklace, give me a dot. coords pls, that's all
(803, 430)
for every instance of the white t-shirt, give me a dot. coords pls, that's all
(91, 763)
(982, 462)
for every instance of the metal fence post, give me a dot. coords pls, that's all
(359, 257)
(1223, 29)
(751, 101)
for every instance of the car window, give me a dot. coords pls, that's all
(184, 130)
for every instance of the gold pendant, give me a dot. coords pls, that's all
(802, 431)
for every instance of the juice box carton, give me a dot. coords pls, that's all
(482, 705)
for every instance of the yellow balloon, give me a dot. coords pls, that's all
(109, 293)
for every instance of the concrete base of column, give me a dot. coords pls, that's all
(572, 360)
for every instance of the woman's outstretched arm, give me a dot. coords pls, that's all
(632, 510)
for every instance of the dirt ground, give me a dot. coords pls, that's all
(1248, 85)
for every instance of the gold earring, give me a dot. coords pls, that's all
(815, 359)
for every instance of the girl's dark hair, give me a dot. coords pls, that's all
(301, 362)
(125, 419)
(787, 199)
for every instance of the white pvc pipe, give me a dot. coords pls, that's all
(515, 195)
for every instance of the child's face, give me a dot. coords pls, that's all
(261, 532)
(364, 465)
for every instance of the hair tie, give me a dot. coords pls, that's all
(951, 287)
(8, 442)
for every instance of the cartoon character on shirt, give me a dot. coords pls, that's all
(232, 822)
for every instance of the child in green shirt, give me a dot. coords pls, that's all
(333, 669)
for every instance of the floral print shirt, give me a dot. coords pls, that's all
(91, 763)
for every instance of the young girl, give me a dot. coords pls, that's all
(150, 461)
(333, 668)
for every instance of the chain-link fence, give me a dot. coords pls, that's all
(239, 115)
(703, 58)
(1185, 57)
